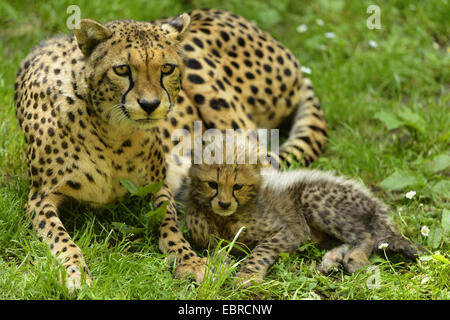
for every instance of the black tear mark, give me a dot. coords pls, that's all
(164, 88)
(124, 97)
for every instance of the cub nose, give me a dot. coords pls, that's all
(224, 205)
(149, 106)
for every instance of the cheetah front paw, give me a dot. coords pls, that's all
(195, 266)
(75, 278)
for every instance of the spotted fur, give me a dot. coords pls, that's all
(280, 210)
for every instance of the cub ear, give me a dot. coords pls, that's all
(178, 28)
(90, 34)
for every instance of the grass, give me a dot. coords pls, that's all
(388, 110)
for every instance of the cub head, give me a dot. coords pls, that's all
(133, 69)
(227, 178)
(224, 188)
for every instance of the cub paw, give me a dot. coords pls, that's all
(327, 267)
(246, 279)
(353, 263)
(195, 266)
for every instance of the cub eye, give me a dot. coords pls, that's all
(122, 70)
(237, 186)
(167, 68)
(213, 184)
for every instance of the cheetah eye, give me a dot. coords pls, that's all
(237, 186)
(122, 70)
(213, 184)
(167, 69)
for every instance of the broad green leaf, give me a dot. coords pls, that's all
(437, 163)
(129, 186)
(390, 120)
(284, 255)
(150, 188)
(435, 236)
(412, 119)
(140, 191)
(400, 180)
(442, 188)
(159, 213)
(126, 229)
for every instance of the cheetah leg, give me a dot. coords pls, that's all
(308, 134)
(206, 235)
(202, 232)
(264, 256)
(171, 240)
(358, 256)
(43, 211)
(333, 258)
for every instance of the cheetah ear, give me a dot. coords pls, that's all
(90, 34)
(178, 28)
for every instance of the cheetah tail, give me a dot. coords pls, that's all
(308, 134)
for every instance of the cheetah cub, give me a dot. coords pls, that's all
(280, 210)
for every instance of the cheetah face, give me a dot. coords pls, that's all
(224, 188)
(134, 69)
(142, 92)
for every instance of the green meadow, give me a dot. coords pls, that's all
(386, 96)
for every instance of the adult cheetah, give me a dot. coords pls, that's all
(96, 107)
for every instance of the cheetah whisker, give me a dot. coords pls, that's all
(118, 113)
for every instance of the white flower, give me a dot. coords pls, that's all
(306, 70)
(302, 28)
(319, 22)
(425, 280)
(410, 194)
(373, 44)
(383, 245)
(425, 231)
(330, 35)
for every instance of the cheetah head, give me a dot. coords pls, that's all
(226, 183)
(133, 69)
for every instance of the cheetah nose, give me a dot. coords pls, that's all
(224, 205)
(149, 106)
